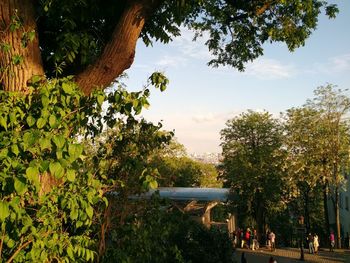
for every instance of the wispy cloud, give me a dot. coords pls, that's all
(263, 69)
(189, 48)
(341, 63)
(171, 61)
(269, 69)
(213, 118)
(333, 65)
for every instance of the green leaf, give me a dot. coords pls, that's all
(20, 186)
(100, 99)
(89, 211)
(13, 118)
(30, 120)
(14, 149)
(32, 173)
(35, 79)
(70, 252)
(74, 214)
(67, 88)
(3, 122)
(75, 150)
(56, 170)
(28, 140)
(40, 123)
(44, 165)
(71, 175)
(4, 153)
(45, 143)
(4, 210)
(52, 121)
(11, 243)
(59, 140)
(45, 101)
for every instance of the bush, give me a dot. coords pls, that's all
(159, 235)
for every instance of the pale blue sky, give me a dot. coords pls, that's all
(200, 99)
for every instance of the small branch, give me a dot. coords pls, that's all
(2, 241)
(18, 250)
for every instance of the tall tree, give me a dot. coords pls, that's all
(333, 106)
(252, 164)
(95, 39)
(302, 138)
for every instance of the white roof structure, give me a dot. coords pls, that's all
(189, 193)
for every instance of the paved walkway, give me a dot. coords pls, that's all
(292, 255)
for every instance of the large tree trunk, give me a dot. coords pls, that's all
(307, 210)
(337, 216)
(260, 214)
(336, 203)
(22, 60)
(119, 53)
(325, 207)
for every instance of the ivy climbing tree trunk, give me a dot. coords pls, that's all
(20, 57)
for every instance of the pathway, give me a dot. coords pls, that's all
(292, 255)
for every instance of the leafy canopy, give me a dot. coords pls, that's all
(51, 190)
(74, 33)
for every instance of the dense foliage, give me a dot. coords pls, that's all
(157, 233)
(290, 167)
(51, 190)
(73, 33)
(252, 165)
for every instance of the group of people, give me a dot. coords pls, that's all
(313, 242)
(246, 239)
(249, 239)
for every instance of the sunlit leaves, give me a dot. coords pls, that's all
(253, 159)
(159, 80)
(20, 186)
(71, 175)
(4, 210)
(47, 178)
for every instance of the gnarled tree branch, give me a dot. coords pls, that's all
(119, 53)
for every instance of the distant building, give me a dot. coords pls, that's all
(213, 158)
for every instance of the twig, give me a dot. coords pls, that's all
(18, 250)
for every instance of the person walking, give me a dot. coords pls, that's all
(332, 241)
(268, 241)
(255, 240)
(272, 238)
(247, 238)
(242, 238)
(316, 243)
(310, 239)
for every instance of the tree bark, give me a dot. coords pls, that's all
(325, 207)
(337, 216)
(15, 75)
(119, 53)
(306, 210)
(259, 214)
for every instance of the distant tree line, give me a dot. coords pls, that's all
(282, 168)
